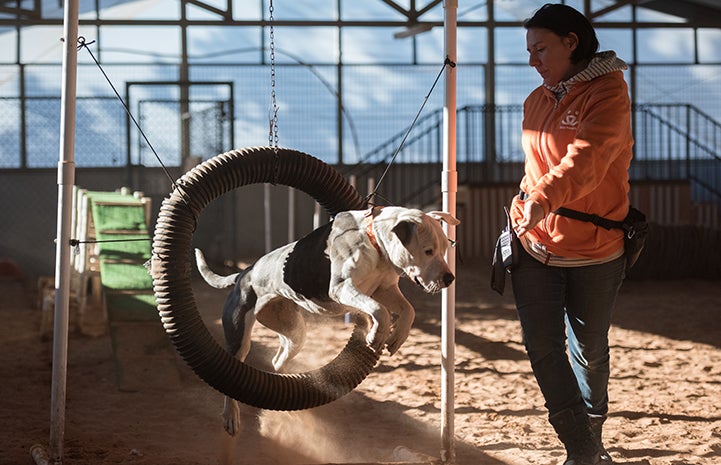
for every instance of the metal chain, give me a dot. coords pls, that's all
(273, 117)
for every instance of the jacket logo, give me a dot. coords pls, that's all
(570, 121)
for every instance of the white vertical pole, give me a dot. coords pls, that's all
(66, 181)
(449, 180)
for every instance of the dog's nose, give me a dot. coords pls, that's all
(448, 279)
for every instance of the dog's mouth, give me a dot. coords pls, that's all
(430, 288)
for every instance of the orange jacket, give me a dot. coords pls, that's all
(578, 152)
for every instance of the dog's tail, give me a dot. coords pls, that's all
(210, 277)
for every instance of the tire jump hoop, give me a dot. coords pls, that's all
(171, 271)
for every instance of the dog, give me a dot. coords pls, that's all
(353, 264)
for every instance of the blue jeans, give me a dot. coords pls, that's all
(552, 299)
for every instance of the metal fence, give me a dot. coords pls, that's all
(314, 116)
(352, 116)
(339, 113)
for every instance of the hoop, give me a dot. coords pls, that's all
(171, 271)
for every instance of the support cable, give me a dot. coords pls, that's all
(446, 62)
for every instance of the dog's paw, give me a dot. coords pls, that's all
(401, 330)
(377, 337)
(395, 341)
(231, 426)
(231, 417)
(375, 343)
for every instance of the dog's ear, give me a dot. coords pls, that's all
(444, 216)
(405, 230)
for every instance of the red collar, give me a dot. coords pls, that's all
(369, 215)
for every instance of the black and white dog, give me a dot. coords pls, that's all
(352, 264)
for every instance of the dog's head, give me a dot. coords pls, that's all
(416, 244)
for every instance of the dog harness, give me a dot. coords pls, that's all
(369, 215)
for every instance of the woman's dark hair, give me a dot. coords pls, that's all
(562, 20)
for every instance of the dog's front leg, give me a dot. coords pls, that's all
(396, 303)
(347, 294)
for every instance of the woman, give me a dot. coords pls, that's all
(577, 141)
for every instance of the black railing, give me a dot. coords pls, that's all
(672, 142)
(419, 156)
(679, 142)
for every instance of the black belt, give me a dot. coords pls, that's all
(581, 216)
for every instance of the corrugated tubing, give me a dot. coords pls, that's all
(170, 267)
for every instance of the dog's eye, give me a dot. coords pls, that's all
(429, 252)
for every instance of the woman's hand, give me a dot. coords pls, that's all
(532, 214)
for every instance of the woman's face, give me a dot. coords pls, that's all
(550, 54)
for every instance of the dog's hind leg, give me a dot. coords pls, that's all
(238, 320)
(285, 318)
